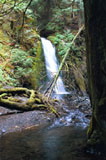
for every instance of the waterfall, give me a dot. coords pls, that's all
(52, 65)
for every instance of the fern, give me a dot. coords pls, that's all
(22, 62)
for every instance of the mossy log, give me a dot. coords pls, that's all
(25, 100)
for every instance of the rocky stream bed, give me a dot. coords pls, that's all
(39, 135)
(77, 111)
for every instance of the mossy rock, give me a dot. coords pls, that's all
(39, 70)
(3, 37)
(79, 79)
(30, 37)
(52, 38)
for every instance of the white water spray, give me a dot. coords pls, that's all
(52, 65)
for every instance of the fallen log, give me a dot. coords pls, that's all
(25, 100)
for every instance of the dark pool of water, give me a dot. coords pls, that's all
(62, 140)
(47, 143)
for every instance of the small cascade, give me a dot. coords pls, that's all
(52, 65)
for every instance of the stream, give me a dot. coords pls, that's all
(51, 142)
(55, 139)
(60, 139)
(61, 143)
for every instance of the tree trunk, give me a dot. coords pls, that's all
(95, 24)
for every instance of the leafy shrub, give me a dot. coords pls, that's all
(63, 41)
(23, 64)
(6, 79)
(1, 75)
(62, 13)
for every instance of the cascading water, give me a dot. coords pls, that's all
(52, 65)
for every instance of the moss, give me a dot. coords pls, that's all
(89, 131)
(30, 37)
(79, 79)
(52, 38)
(96, 135)
(27, 40)
(5, 57)
(92, 135)
(35, 100)
(38, 68)
(95, 138)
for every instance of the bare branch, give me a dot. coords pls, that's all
(25, 13)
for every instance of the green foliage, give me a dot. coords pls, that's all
(2, 1)
(7, 1)
(6, 79)
(1, 46)
(1, 75)
(62, 12)
(21, 6)
(32, 52)
(22, 62)
(42, 11)
(62, 41)
(7, 6)
(52, 15)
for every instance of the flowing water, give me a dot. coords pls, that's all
(62, 139)
(52, 65)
